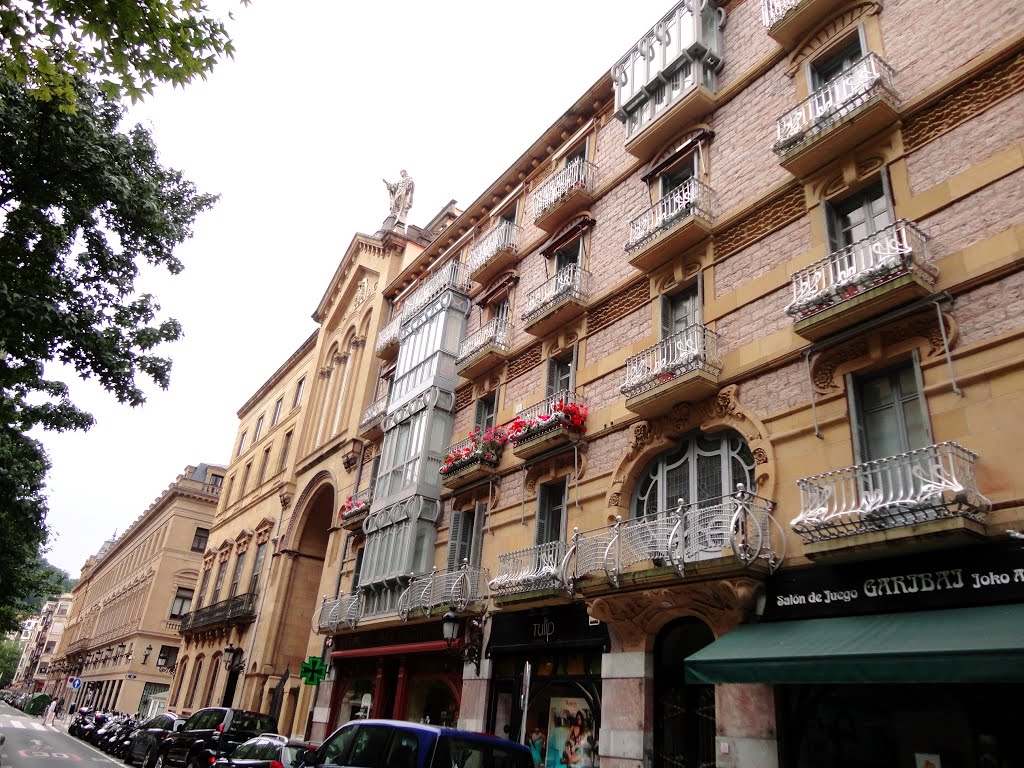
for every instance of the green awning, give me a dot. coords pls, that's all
(983, 644)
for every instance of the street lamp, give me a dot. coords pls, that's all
(234, 658)
(145, 654)
(469, 651)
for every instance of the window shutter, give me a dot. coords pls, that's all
(543, 511)
(476, 544)
(454, 539)
(922, 401)
(552, 384)
(572, 366)
(832, 226)
(666, 317)
(887, 193)
(861, 453)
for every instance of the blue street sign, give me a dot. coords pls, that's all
(76, 683)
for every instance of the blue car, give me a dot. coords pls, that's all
(396, 744)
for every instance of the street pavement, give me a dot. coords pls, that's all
(30, 744)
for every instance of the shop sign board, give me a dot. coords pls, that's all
(986, 574)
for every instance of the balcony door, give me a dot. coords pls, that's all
(852, 221)
(680, 321)
(551, 512)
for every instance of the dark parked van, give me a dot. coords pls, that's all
(211, 732)
(395, 744)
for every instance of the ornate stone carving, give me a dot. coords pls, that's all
(828, 31)
(635, 618)
(920, 332)
(723, 411)
(768, 217)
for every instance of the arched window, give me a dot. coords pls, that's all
(702, 467)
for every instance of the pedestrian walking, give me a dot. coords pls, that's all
(60, 708)
(50, 710)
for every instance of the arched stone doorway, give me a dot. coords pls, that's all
(684, 713)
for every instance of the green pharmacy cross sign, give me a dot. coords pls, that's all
(313, 670)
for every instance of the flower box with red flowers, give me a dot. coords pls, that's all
(473, 457)
(356, 506)
(567, 421)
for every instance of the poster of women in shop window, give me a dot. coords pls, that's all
(572, 735)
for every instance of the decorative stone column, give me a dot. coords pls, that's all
(745, 719)
(627, 707)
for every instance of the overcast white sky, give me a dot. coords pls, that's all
(322, 99)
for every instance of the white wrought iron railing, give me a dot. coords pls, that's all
(741, 522)
(577, 175)
(570, 282)
(374, 412)
(388, 335)
(774, 11)
(454, 588)
(341, 610)
(503, 238)
(525, 570)
(914, 487)
(897, 250)
(692, 349)
(867, 77)
(362, 500)
(691, 198)
(451, 275)
(495, 333)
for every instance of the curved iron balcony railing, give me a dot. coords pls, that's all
(691, 198)
(774, 11)
(897, 250)
(525, 570)
(577, 175)
(691, 349)
(570, 282)
(374, 412)
(918, 486)
(388, 335)
(451, 275)
(847, 91)
(234, 610)
(740, 522)
(495, 333)
(505, 237)
(454, 588)
(341, 610)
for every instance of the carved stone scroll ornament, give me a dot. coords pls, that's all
(635, 618)
(723, 411)
(552, 468)
(919, 332)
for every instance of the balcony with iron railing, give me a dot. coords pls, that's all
(853, 106)
(541, 567)
(679, 220)
(353, 512)
(342, 611)
(563, 195)
(239, 609)
(666, 81)
(449, 276)
(929, 490)
(453, 588)
(496, 251)
(371, 424)
(557, 420)
(683, 367)
(484, 348)
(716, 533)
(880, 272)
(474, 458)
(558, 301)
(788, 20)
(387, 338)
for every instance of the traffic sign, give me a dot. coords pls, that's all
(76, 683)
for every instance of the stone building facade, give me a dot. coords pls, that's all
(746, 314)
(121, 638)
(711, 387)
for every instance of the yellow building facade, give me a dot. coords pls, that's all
(121, 636)
(714, 382)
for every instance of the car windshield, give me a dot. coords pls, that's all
(470, 753)
(252, 723)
